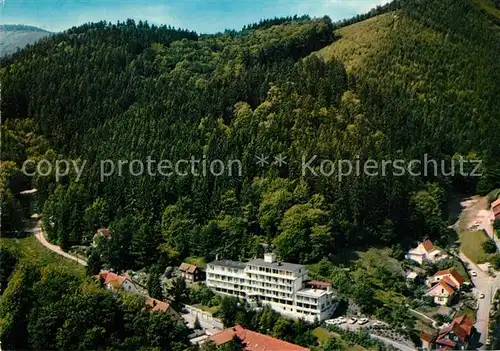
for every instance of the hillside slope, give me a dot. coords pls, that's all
(14, 37)
(439, 62)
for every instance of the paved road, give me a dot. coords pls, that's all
(39, 234)
(208, 326)
(487, 285)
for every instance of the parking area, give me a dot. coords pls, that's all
(355, 323)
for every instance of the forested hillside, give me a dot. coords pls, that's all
(422, 79)
(49, 305)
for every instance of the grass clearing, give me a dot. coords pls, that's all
(322, 334)
(211, 310)
(471, 244)
(375, 258)
(30, 249)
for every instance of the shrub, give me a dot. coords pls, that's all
(489, 246)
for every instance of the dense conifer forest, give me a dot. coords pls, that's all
(131, 90)
(427, 84)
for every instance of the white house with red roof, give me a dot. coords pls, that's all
(444, 284)
(254, 341)
(442, 292)
(451, 273)
(114, 281)
(425, 251)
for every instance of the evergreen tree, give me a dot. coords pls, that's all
(94, 263)
(154, 283)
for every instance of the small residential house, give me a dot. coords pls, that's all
(425, 251)
(456, 279)
(442, 292)
(427, 340)
(495, 208)
(456, 335)
(254, 341)
(116, 282)
(102, 232)
(157, 305)
(191, 272)
(444, 284)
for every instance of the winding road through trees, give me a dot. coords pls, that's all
(39, 234)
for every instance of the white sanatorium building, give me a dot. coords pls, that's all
(284, 286)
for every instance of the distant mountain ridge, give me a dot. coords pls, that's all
(14, 36)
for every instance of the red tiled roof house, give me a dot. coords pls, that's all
(157, 305)
(114, 281)
(456, 335)
(191, 272)
(254, 341)
(444, 284)
(425, 251)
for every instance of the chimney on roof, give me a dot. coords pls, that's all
(270, 257)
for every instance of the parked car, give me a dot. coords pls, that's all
(473, 273)
(481, 296)
(363, 321)
(341, 320)
(352, 321)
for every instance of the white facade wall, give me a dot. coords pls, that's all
(280, 288)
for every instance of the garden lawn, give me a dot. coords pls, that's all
(471, 244)
(323, 335)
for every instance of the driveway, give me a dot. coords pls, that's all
(209, 324)
(40, 235)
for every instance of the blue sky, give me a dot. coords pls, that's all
(204, 16)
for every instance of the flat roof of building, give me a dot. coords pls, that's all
(276, 265)
(229, 263)
(312, 292)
